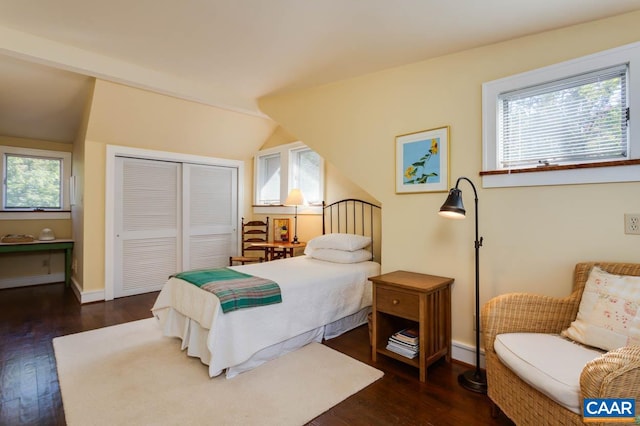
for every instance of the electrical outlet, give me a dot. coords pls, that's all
(632, 223)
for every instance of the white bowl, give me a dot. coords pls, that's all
(46, 235)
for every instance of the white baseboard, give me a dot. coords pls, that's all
(466, 353)
(86, 296)
(31, 280)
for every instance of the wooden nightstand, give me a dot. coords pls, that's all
(407, 299)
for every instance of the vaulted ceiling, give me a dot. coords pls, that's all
(228, 53)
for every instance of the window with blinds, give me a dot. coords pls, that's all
(564, 124)
(579, 119)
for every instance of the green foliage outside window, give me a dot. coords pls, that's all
(33, 183)
(579, 119)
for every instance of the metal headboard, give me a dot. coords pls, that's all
(352, 216)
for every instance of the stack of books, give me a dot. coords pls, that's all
(405, 342)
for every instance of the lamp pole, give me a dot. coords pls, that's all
(295, 198)
(295, 224)
(473, 380)
(478, 381)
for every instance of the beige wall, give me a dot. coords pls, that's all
(124, 116)
(77, 210)
(35, 144)
(533, 236)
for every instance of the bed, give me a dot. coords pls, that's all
(324, 293)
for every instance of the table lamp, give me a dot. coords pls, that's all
(295, 198)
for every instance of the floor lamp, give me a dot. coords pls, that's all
(473, 380)
(295, 198)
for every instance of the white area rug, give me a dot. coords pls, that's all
(129, 374)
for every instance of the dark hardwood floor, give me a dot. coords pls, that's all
(30, 317)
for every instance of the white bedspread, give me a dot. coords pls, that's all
(314, 293)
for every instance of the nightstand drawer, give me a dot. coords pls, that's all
(399, 303)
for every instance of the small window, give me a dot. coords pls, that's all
(269, 179)
(34, 179)
(306, 174)
(581, 119)
(278, 170)
(567, 123)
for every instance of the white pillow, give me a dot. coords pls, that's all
(338, 241)
(339, 256)
(609, 312)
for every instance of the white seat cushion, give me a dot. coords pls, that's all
(548, 363)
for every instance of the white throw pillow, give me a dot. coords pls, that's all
(338, 241)
(339, 256)
(609, 314)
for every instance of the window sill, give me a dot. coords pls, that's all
(604, 172)
(280, 209)
(25, 215)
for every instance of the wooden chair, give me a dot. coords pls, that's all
(254, 231)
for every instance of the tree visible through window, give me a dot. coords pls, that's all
(33, 183)
(578, 119)
(564, 124)
(34, 179)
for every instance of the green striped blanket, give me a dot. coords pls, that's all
(234, 289)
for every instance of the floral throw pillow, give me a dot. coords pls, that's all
(609, 312)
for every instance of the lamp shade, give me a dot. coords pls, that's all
(453, 207)
(295, 198)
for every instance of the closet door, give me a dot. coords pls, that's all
(210, 211)
(147, 224)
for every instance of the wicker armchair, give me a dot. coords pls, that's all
(616, 374)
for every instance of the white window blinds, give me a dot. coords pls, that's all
(578, 119)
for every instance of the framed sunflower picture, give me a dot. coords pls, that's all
(422, 161)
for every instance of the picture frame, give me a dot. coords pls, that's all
(281, 230)
(422, 161)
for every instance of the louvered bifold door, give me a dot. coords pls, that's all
(210, 215)
(147, 224)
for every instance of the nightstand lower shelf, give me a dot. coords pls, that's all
(415, 361)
